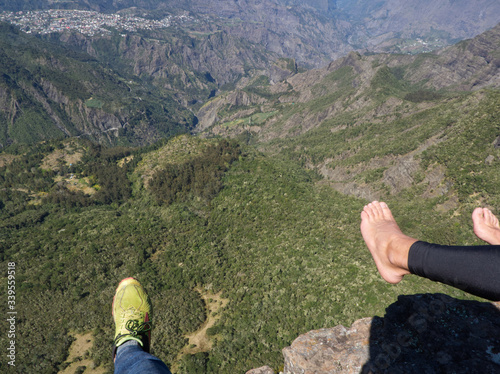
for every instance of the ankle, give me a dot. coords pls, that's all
(398, 250)
(128, 343)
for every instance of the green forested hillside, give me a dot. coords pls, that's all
(280, 244)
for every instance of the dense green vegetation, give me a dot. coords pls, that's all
(200, 177)
(282, 246)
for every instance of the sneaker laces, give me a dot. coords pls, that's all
(134, 327)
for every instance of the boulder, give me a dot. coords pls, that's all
(425, 333)
(331, 350)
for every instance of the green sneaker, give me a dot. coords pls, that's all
(132, 311)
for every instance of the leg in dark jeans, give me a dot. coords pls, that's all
(131, 359)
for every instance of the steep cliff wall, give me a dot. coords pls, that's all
(48, 91)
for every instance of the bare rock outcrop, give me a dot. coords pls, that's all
(207, 115)
(335, 350)
(261, 370)
(426, 333)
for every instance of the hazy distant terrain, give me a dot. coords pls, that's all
(315, 32)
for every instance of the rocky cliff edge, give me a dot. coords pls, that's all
(426, 333)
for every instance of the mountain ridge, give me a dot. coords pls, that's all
(316, 32)
(49, 91)
(315, 116)
(469, 65)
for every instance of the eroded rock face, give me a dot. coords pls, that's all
(429, 333)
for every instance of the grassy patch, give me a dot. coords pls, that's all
(94, 103)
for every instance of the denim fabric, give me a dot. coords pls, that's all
(131, 359)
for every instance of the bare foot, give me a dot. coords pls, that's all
(486, 225)
(387, 243)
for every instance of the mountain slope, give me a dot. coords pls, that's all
(192, 66)
(316, 32)
(361, 88)
(47, 91)
(281, 245)
(365, 123)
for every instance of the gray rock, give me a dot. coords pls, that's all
(429, 333)
(333, 350)
(261, 370)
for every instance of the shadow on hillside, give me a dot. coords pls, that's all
(435, 333)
